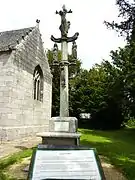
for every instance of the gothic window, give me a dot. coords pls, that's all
(38, 83)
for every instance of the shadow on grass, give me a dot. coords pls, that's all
(122, 134)
(120, 138)
(118, 146)
(21, 147)
(16, 157)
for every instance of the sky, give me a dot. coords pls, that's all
(95, 41)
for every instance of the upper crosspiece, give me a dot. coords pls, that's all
(64, 12)
(65, 25)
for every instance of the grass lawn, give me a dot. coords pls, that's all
(117, 146)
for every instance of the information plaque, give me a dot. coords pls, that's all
(61, 126)
(73, 163)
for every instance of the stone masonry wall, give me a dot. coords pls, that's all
(21, 115)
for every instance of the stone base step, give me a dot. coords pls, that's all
(60, 138)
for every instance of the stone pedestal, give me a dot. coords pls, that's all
(63, 124)
(62, 131)
(55, 138)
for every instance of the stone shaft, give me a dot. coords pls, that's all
(64, 107)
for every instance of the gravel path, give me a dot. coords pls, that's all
(8, 148)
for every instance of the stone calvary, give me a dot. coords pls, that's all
(60, 156)
(63, 129)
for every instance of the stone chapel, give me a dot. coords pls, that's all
(25, 84)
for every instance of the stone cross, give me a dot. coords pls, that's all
(64, 40)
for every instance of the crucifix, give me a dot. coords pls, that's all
(64, 40)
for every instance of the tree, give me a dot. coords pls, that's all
(124, 60)
(108, 114)
(127, 25)
(97, 92)
(78, 95)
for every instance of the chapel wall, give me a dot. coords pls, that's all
(27, 116)
(6, 79)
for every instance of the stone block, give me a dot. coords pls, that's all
(18, 132)
(4, 100)
(60, 138)
(59, 141)
(63, 124)
(5, 110)
(1, 93)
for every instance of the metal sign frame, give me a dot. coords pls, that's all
(55, 148)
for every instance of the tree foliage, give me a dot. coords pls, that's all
(97, 92)
(127, 13)
(124, 60)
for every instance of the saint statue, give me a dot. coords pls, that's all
(74, 50)
(55, 52)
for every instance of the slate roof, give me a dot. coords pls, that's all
(8, 39)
